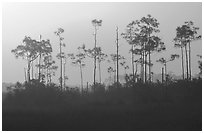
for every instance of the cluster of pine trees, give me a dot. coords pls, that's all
(141, 34)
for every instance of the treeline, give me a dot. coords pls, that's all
(142, 35)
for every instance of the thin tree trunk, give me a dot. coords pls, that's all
(28, 71)
(186, 62)
(143, 63)
(36, 73)
(189, 45)
(99, 67)
(64, 75)
(32, 70)
(136, 71)
(132, 54)
(117, 58)
(182, 64)
(39, 73)
(114, 72)
(81, 78)
(149, 66)
(50, 76)
(60, 65)
(145, 67)
(165, 71)
(95, 58)
(162, 75)
(141, 67)
(47, 76)
(133, 71)
(152, 77)
(39, 69)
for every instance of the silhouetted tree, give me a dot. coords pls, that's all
(44, 49)
(124, 65)
(113, 59)
(190, 35)
(148, 29)
(178, 44)
(165, 61)
(63, 57)
(129, 37)
(58, 33)
(100, 56)
(78, 59)
(200, 65)
(142, 33)
(117, 47)
(49, 67)
(185, 34)
(28, 50)
(96, 23)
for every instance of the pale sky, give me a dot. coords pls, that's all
(34, 19)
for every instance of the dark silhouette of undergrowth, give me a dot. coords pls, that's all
(150, 106)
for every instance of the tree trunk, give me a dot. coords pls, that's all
(145, 67)
(182, 64)
(64, 75)
(133, 71)
(50, 76)
(136, 71)
(186, 62)
(114, 72)
(189, 45)
(162, 75)
(36, 73)
(143, 64)
(60, 65)
(99, 69)
(81, 78)
(39, 71)
(28, 71)
(95, 58)
(117, 59)
(149, 66)
(32, 70)
(165, 72)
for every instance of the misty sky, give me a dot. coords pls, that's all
(33, 19)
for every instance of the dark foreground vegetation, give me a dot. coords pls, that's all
(155, 106)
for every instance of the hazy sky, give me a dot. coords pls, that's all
(33, 19)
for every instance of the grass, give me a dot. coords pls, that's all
(138, 108)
